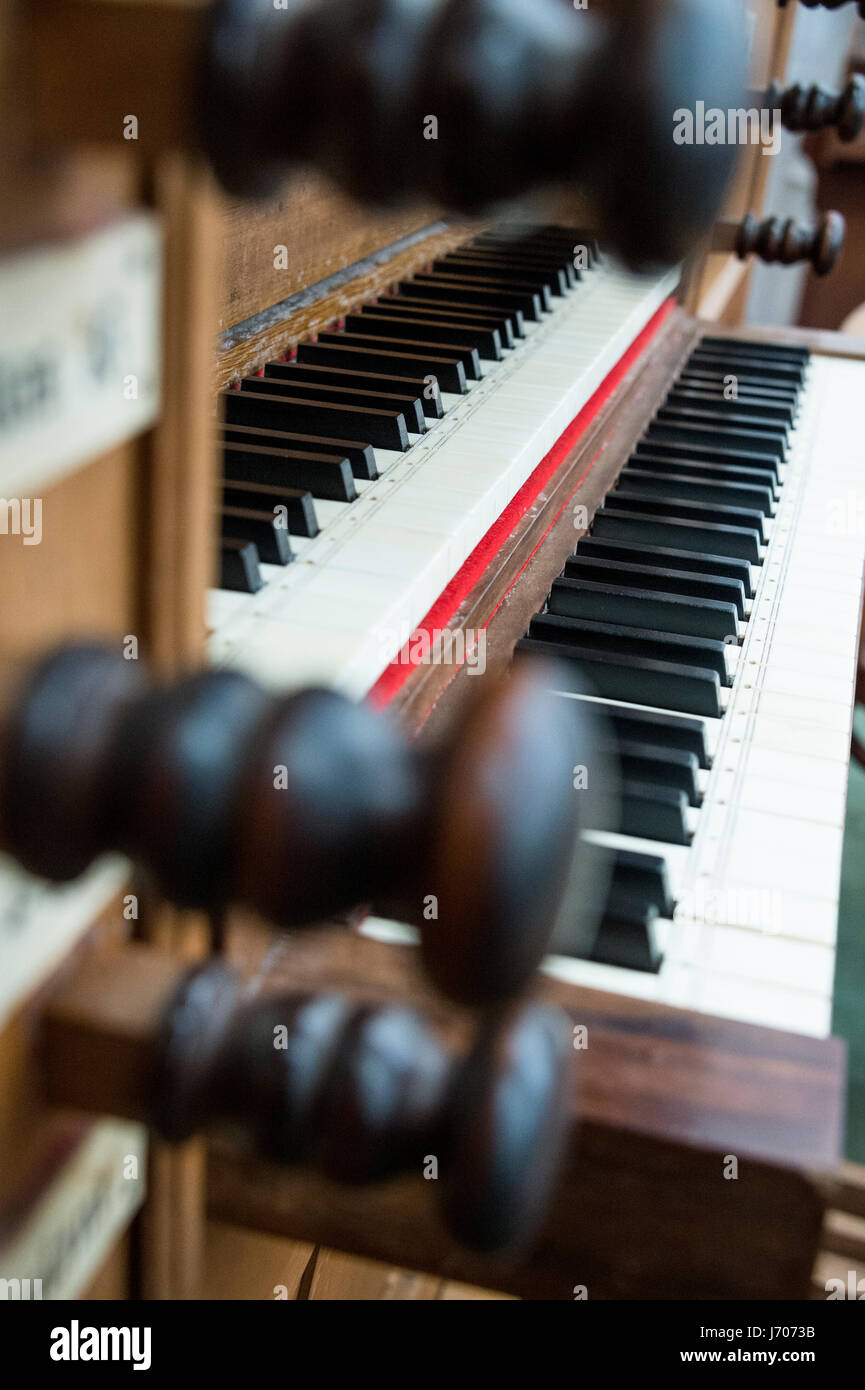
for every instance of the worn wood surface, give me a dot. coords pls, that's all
(246, 347)
(662, 1097)
(318, 230)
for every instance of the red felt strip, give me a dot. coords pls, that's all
(440, 615)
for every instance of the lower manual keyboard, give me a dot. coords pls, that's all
(754, 879)
(726, 865)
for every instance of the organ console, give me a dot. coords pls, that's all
(455, 869)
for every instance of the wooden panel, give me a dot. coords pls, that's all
(247, 1265)
(245, 348)
(48, 194)
(113, 1280)
(661, 1099)
(341, 1277)
(661, 1096)
(321, 230)
(465, 1293)
(182, 473)
(82, 579)
(77, 94)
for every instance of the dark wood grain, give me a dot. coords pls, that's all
(661, 1100)
(643, 1210)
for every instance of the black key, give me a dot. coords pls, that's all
(486, 342)
(760, 352)
(742, 407)
(717, 419)
(712, 472)
(448, 371)
(704, 537)
(750, 352)
(263, 528)
(323, 476)
(662, 767)
(299, 389)
(385, 429)
(513, 252)
(525, 253)
(689, 486)
(798, 354)
(540, 283)
(752, 366)
(718, 452)
(666, 581)
(360, 456)
(665, 730)
(651, 643)
(560, 275)
(748, 396)
(299, 506)
(776, 352)
(628, 941)
(671, 508)
(469, 293)
(456, 352)
(710, 436)
(561, 239)
(654, 813)
(665, 557)
(431, 312)
(531, 300)
(749, 388)
(510, 322)
(419, 390)
(638, 680)
(238, 566)
(641, 606)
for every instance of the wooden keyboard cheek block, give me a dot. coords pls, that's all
(354, 1088)
(303, 806)
(658, 1102)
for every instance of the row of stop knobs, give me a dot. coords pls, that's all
(300, 807)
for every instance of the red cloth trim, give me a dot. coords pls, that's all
(440, 615)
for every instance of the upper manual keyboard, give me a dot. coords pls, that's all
(386, 450)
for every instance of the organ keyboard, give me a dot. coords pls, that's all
(388, 544)
(682, 610)
(416, 422)
(755, 872)
(732, 909)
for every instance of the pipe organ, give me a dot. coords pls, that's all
(405, 557)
